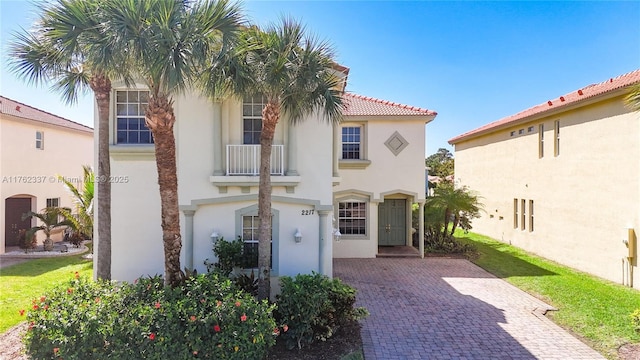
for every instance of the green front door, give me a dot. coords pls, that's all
(392, 220)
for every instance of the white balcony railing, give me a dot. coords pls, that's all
(245, 160)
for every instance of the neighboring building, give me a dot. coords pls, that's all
(368, 168)
(562, 179)
(35, 147)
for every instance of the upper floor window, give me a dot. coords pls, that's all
(556, 133)
(40, 140)
(351, 142)
(541, 141)
(252, 119)
(130, 124)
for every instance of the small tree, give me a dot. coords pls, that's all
(82, 195)
(50, 218)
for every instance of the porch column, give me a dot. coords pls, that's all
(336, 149)
(188, 238)
(218, 165)
(421, 228)
(325, 247)
(292, 152)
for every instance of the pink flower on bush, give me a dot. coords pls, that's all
(43, 298)
(237, 303)
(35, 307)
(46, 307)
(69, 290)
(218, 303)
(216, 328)
(55, 351)
(152, 336)
(192, 318)
(276, 331)
(21, 312)
(97, 300)
(285, 327)
(243, 317)
(157, 305)
(202, 301)
(195, 353)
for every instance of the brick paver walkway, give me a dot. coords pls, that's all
(440, 308)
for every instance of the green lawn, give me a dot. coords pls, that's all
(21, 283)
(595, 309)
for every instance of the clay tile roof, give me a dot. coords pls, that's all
(573, 97)
(18, 109)
(358, 105)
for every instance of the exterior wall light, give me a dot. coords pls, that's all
(298, 236)
(337, 235)
(214, 237)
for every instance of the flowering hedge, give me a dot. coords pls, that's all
(206, 317)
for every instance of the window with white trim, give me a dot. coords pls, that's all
(40, 140)
(130, 117)
(523, 210)
(250, 229)
(352, 217)
(53, 202)
(352, 142)
(556, 133)
(530, 215)
(252, 119)
(541, 141)
(515, 213)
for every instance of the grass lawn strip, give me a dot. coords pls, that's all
(21, 283)
(592, 308)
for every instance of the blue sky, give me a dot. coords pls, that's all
(472, 62)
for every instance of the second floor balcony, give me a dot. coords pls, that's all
(245, 160)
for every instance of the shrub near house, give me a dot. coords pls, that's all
(204, 317)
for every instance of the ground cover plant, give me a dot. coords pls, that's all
(597, 310)
(21, 283)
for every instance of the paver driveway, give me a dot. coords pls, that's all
(438, 308)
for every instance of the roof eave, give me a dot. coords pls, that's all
(543, 114)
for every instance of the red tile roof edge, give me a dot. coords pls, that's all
(71, 124)
(576, 96)
(391, 103)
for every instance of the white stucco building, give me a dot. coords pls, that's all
(562, 179)
(35, 147)
(370, 167)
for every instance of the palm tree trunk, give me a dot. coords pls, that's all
(447, 215)
(160, 119)
(456, 221)
(270, 115)
(101, 86)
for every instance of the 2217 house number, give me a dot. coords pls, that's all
(307, 212)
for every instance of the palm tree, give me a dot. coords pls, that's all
(50, 218)
(451, 204)
(171, 42)
(69, 47)
(82, 195)
(294, 74)
(633, 98)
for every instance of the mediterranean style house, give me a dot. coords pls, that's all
(36, 147)
(359, 178)
(562, 179)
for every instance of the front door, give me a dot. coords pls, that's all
(392, 220)
(15, 207)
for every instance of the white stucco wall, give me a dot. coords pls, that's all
(584, 199)
(29, 172)
(388, 175)
(136, 233)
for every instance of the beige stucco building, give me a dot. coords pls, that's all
(35, 147)
(562, 179)
(324, 178)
